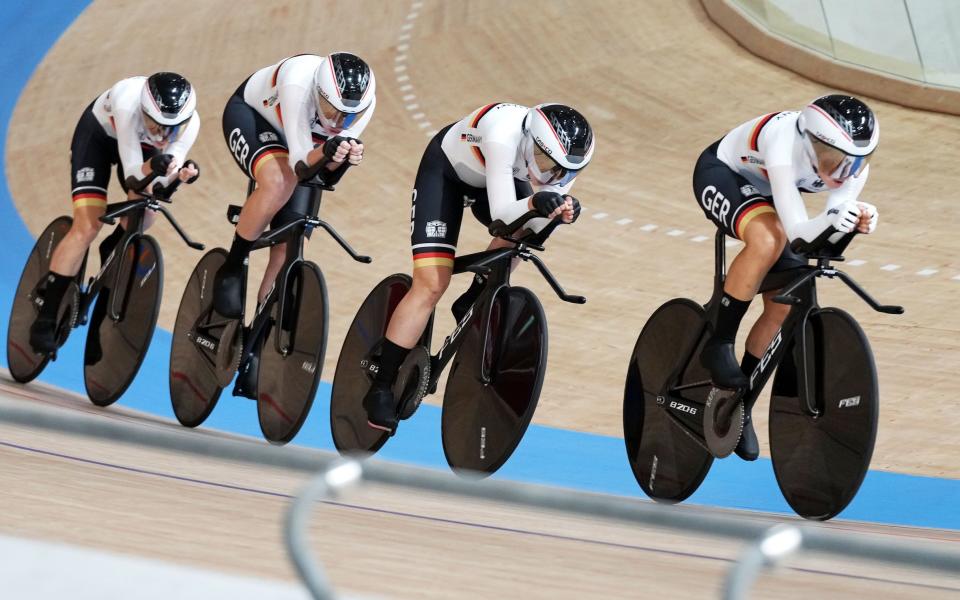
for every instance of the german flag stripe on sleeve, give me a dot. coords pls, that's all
(480, 114)
(753, 211)
(755, 135)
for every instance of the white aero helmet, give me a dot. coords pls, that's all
(168, 100)
(344, 87)
(557, 143)
(840, 134)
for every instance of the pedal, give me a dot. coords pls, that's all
(722, 421)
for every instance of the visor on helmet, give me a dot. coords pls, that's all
(333, 118)
(166, 132)
(833, 162)
(545, 170)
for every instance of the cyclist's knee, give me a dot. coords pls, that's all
(766, 237)
(429, 283)
(275, 184)
(85, 230)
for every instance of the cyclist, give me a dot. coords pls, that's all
(748, 184)
(487, 161)
(296, 112)
(144, 125)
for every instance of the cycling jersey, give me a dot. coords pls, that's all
(118, 112)
(283, 94)
(768, 152)
(484, 150)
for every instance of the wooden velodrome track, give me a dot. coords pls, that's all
(659, 82)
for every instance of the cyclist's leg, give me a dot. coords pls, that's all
(90, 157)
(436, 214)
(481, 210)
(736, 207)
(258, 150)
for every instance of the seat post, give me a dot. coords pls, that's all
(720, 260)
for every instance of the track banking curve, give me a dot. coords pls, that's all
(638, 211)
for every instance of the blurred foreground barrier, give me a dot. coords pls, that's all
(769, 545)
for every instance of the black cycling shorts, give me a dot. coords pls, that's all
(731, 202)
(250, 138)
(439, 197)
(92, 155)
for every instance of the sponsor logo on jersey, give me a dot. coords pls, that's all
(471, 138)
(468, 201)
(271, 100)
(749, 190)
(85, 174)
(751, 160)
(268, 136)
(436, 229)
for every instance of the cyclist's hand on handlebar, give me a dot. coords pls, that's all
(336, 150)
(190, 172)
(571, 209)
(868, 217)
(845, 217)
(356, 152)
(548, 204)
(163, 164)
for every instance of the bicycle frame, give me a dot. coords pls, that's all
(134, 211)
(305, 201)
(496, 264)
(801, 294)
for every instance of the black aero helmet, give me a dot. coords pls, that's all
(344, 88)
(840, 132)
(168, 99)
(558, 139)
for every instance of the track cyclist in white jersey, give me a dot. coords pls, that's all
(146, 126)
(749, 185)
(486, 161)
(296, 112)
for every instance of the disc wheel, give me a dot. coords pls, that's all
(23, 362)
(483, 423)
(666, 459)
(348, 419)
(122, 323)
(820, 459)
(291, 359)
(194, 384)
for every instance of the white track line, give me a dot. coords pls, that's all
(927, 272)
(600, 215)
(889, 267)
(856, 262)
(401, 58)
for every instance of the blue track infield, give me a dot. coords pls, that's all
(552, 456)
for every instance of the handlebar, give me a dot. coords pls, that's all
(150, 200)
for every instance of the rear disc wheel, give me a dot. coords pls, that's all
(194, 382)
(666, 459)
(23, 362)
